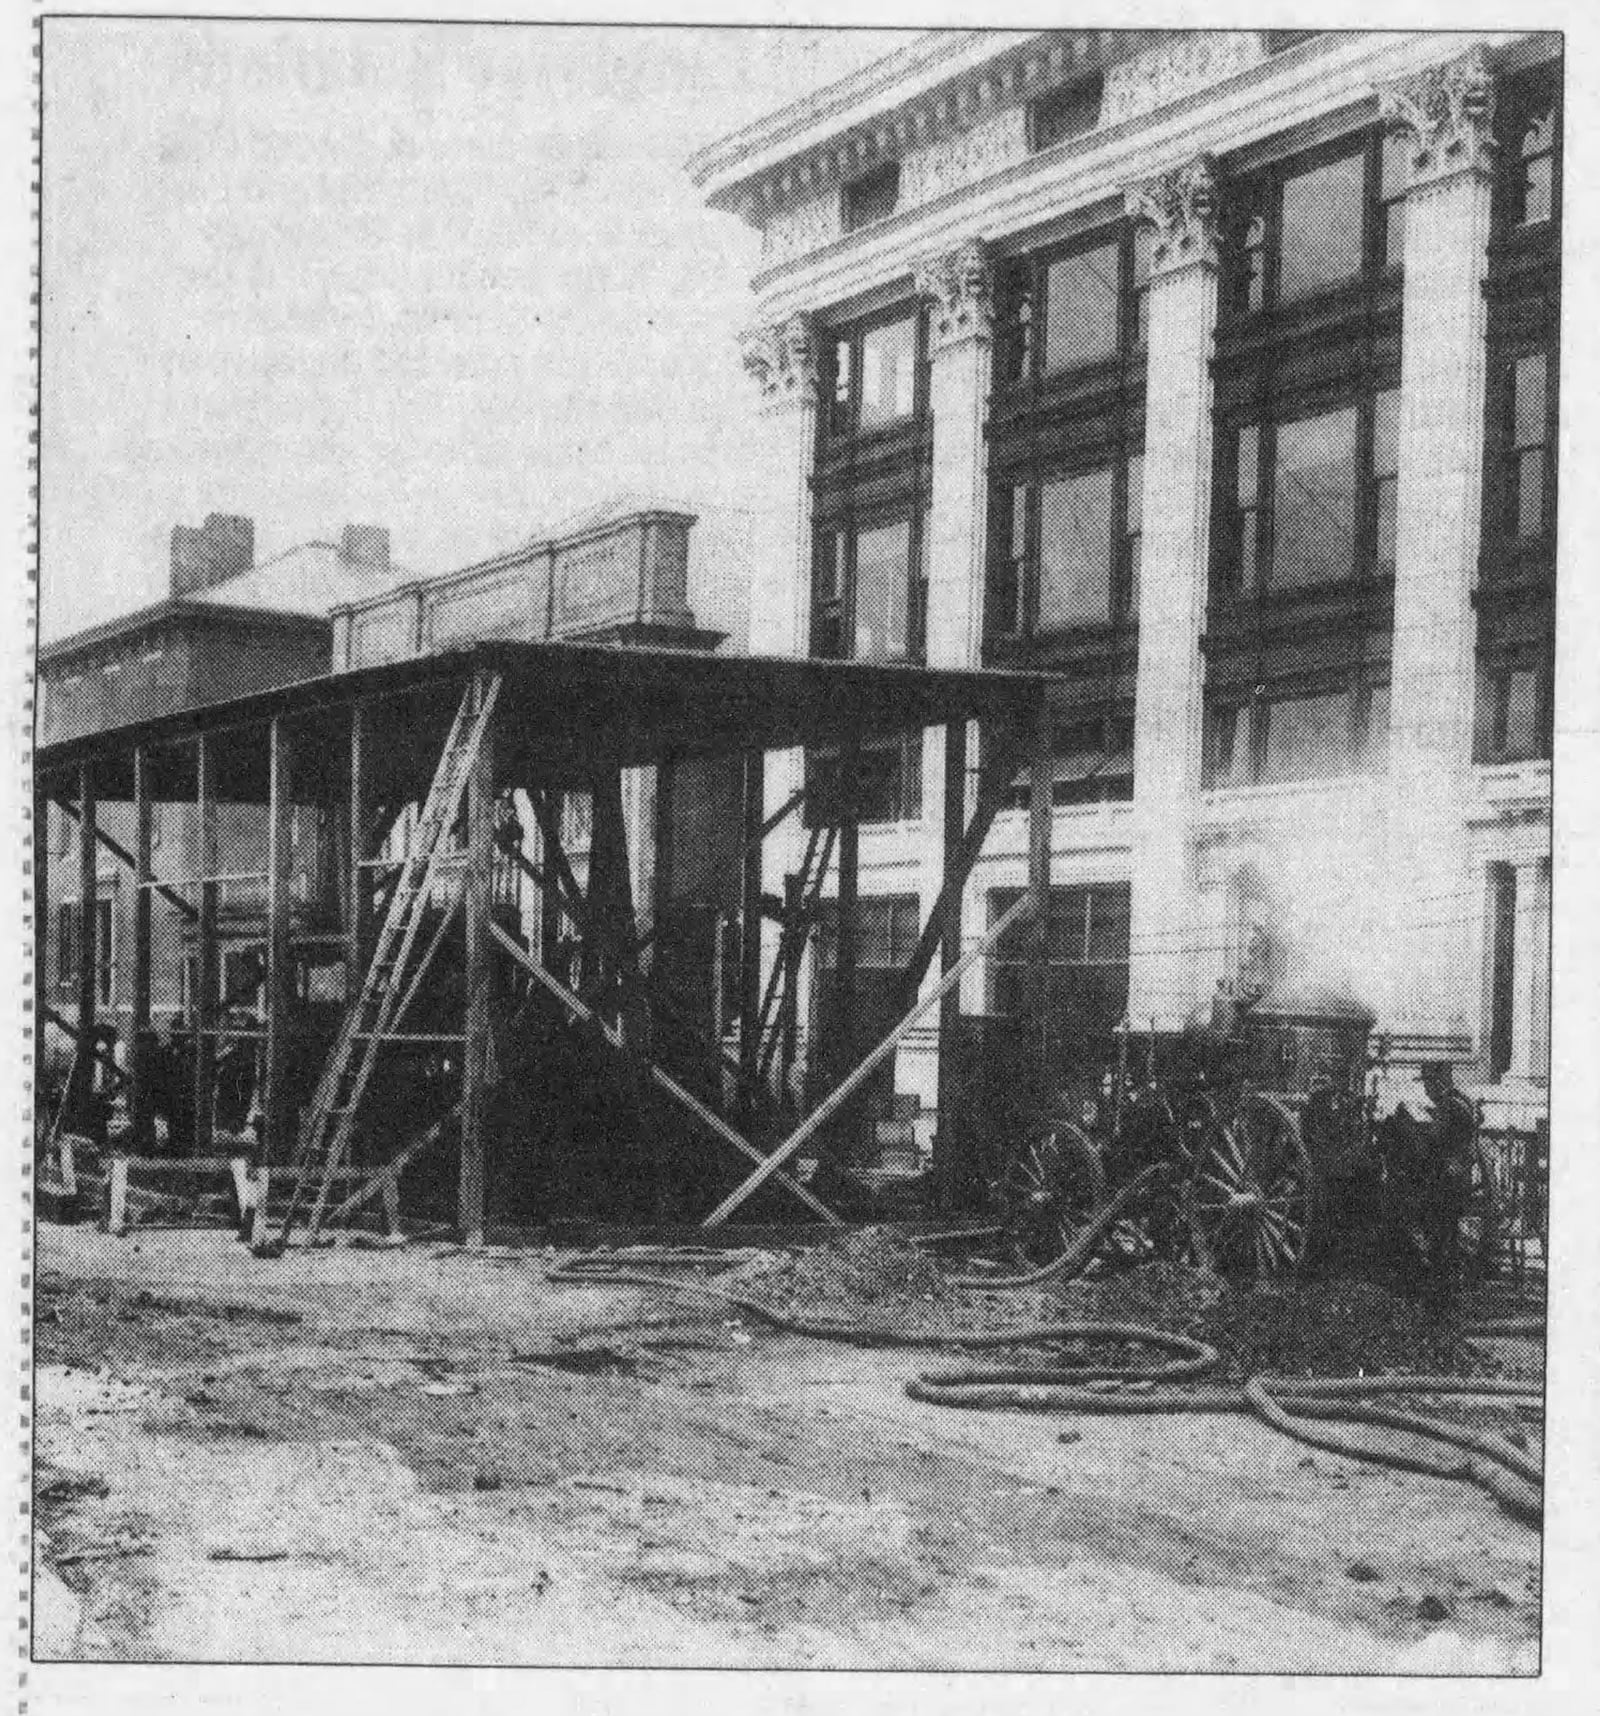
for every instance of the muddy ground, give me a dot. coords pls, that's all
(418, 1455)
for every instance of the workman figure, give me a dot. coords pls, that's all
(1454, 1127)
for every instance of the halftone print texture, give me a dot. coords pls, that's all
(940, 1062)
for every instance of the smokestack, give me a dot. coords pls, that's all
(222, 548)
(365, 547)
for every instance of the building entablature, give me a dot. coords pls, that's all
(1008, 193)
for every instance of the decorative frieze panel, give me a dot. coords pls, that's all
(965, 159)
(1185, 63)
(1182, 206)
(961, 285)
(1447, 112)
(793, 232)
(782, 359)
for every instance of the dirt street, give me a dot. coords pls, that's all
(423, 1456)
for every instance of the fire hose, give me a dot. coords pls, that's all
(1509, 1474)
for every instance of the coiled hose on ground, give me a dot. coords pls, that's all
(1285, 1403)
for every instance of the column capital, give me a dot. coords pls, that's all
(782, 359)
(961, 284)
(1447, 114)
(1182, 205)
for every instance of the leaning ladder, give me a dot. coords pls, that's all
(329, 1123)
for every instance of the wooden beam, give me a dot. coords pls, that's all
(750, 929)
(277, 1134)
(140, 1113)
(42, 912)
(476, 900)
(848, 944)
(358, 904)
(81, 1080)
(836, 1099)
(205, 998)
(664, 1081)
(1041, 783)
(945, 921)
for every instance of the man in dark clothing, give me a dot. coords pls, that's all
(1449, 1184)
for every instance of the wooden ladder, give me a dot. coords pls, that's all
(329, 1122)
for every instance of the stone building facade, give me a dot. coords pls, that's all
(1217, 373)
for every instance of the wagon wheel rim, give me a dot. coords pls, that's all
(1252, 1190)
(1051, 1188)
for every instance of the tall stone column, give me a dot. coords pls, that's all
(960, 285)
(782, 361)
(1182, 207)
(1446, 114)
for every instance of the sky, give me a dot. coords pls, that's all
(449, 279)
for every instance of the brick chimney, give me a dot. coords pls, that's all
(365, 547)
(223, 547)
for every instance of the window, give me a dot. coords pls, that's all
(64, 827)
(1310, 500)
(1502, 955)
(1305, 737)
(1533, 168)
(1289, 736)
(1082, 295)
(869, 590)
(1086, 938)
(1304, 227)
(1066, 112)
(888, 783)
(872, 197)
(1068, 551)
(1060, 311)
(1513, 713)
(104, 949)
(875, 375)
(887, 930)
(1394, 179)
(1528, 434)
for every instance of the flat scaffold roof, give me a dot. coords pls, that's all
(567, 706)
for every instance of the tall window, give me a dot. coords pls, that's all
(1087, 937)
(869, 590)
(1513, 709)
(1304, 227)
(875, 374)
(1063, 310)
(1310, 500)
(1527, 435)
(1532, 170)
(104, 948)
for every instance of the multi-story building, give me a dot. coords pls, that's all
(1217, 373)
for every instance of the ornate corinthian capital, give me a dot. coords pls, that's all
(1182, 207)
(961, 285)
(782, 358)
(1447, 112)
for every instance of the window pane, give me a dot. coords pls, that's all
(1322, 212)
(1228, 747)
(1394, 234)
(883, 576)
(1108, 923)
(1387, 501)
(1528, 401)
(1395, 168)
(1530, 492)
(1249, 467)
(888, 373)
(1386, 433)
(1522, 713)
(1377, 745)
(1081, 308)
(1075, 551)
(1306, 737)
(1314, 501)
(1537, 192)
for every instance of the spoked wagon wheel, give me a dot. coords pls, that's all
(1051, 1188)
(1251, 1197)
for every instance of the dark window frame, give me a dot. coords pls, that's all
(1233, 506)
(1023, 311)
(1257, 195)
(1239, 726)
(1491, 728)
(840, 419)
(833, 615)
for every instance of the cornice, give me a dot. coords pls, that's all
(1333, 73)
